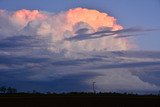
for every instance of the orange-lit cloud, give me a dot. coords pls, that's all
(94, 18)
(24, 16)
(38, 23)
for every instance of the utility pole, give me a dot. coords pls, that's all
(93, 86)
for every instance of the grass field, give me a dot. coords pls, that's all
(78, 100)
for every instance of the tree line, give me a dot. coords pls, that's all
(9, 90)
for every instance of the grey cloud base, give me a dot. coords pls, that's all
(27, 64)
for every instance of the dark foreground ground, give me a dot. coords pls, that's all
(78, 100)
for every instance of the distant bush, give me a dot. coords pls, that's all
(8, 90)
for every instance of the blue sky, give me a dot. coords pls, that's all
(130, 13)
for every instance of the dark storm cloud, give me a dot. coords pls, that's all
(76, 62)
(128, 65)
(82, 35)
(23, 42)
(8, 59)
(125, 36)
(68, 83)
(28, 62)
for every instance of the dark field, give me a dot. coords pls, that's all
(78, 100)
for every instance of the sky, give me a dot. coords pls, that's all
(64, 46)
(128, 13)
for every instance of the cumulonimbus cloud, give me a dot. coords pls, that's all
(63, 25)
(36, 43)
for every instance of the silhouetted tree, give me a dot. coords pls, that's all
(11, 90)
(159, 93)
(3, 89)
(49, 92)
(34, 91)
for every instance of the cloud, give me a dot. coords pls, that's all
(82, 28)
(62, 26)
(117, 71)
(121, 80)
(36, 48)
(128, 65)
(102, 32)
(105, 32)
(134, 32)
